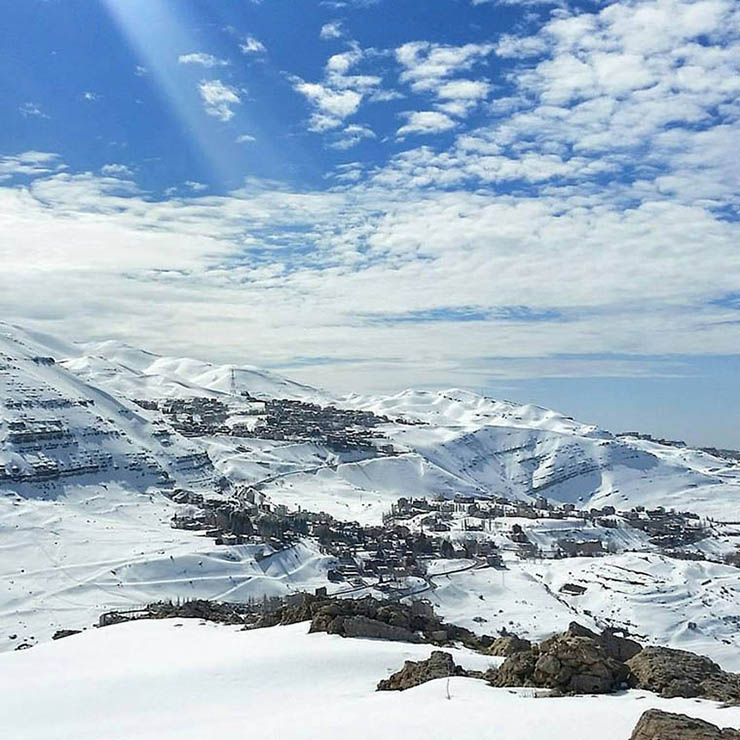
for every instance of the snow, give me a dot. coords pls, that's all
(186, 679)
(64, 562)
(142, 374)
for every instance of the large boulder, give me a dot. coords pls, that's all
(657, 725)
(619, 648)
(508, 645)
(368, 617)
(671, 673)
(577, 665)
(565, 663)
(414, 673)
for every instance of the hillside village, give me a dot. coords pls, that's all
(341, 430)
(416, 531)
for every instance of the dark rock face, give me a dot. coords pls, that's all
(566, 663)
(619, 648)
(657, 725)
(413, 673)
(508, 645)
(577, 665)
(364, 627)
(213, 611)
(371, 618)
(673, 673)
(516, 670)
(59, 634)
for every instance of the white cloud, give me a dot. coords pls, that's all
(218, 99)
(432, 68)
(31, 110)
(202, 59)
(91, 96)
(638, 279)
(116, 170)
(426, 65)
(333, 105)
(351, 136)
(425, 122)
(244, 138)
(511, 46)
(331, 30)
(251, 45)
(340, 94)
(30, 164)
(195, 186)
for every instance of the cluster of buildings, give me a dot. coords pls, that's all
(665, 529)
(385, 552)
(343, 430)
(338, 429)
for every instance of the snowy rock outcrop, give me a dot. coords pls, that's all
(415, 673)
(508, 645)
(673, 673)
(658, 725)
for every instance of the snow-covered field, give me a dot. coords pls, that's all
(64, 562)
(185, 679)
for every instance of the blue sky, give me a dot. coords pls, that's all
(538, 200)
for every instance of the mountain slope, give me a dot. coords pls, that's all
(57, 430)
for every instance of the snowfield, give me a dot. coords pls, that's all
(186, 679)
(64, 562)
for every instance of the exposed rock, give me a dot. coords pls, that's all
(516, 670)
(575, 629)
(414, 673)
(617, 647)
(657, 725)
(672, 673)
(566, 663)
(59, 634)
(508, 645)
(213, 611)
(578, 665)
(368, 617)
(364, 627)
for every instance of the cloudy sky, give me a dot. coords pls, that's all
(534, 199)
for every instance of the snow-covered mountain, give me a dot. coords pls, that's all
(57, 430)
(444, 442)
(95, 438)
